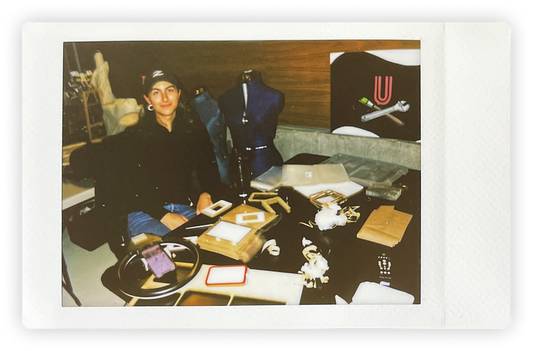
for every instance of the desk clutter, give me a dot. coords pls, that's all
(239, 233)
(342, 173)
(330, 183)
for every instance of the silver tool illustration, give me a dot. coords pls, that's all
(401, 106)
(369, 103)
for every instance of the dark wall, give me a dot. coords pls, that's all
(300, 69)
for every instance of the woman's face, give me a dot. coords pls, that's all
(164, 97)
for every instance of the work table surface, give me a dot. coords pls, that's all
(351, 260)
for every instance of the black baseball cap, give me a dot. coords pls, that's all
(159, 75)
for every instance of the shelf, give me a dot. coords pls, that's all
(97, 94)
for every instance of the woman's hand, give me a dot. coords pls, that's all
(204, 201)
(173, 220)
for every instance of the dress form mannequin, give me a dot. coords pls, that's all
(207, 109)
(251, 110)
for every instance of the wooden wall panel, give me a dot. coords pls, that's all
(299, 69)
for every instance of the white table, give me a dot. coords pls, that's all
(74, 194)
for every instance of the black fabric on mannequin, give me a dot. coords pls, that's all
(251, 110)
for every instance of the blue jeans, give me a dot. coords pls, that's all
(139, 222)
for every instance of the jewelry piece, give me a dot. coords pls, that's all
(150, 107)
(322, 198)
(315, 268)
(267, 199)
(351, 214)
(308, 224)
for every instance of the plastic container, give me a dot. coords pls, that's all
(384, 192)
(367, 172)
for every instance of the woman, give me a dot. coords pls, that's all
(173, 146)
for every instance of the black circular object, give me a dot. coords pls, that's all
(133, 271)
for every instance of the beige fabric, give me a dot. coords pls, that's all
(100, 79)
(118, 113)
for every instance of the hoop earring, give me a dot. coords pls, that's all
(150, 107)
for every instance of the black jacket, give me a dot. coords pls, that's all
(145, 167)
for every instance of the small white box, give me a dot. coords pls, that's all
(216, 208)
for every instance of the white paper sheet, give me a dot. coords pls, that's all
(229, 231)
(345, 188)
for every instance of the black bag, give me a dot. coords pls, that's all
(85, 226)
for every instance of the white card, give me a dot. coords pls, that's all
(229, 231)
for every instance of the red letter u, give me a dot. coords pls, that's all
(377, 90)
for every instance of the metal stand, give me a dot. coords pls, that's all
(67, 285)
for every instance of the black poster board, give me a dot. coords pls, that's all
(357, 75)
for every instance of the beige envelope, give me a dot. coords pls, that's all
(385, 226)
